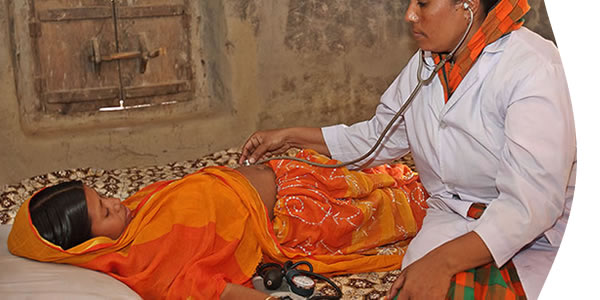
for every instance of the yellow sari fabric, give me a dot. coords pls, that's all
(187, 239)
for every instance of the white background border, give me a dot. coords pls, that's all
(576, 26)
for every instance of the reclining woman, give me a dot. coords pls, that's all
(203, 236)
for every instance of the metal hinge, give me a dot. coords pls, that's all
(35, 29)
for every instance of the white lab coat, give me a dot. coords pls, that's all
(506, 138)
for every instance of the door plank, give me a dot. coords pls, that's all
(82, 95)
(75, 13)
(147, 26)
(64, 48)
(127, 12)
(157, 89)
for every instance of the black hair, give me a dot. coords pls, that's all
(59, 213)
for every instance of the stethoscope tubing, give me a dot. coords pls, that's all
(401, 111)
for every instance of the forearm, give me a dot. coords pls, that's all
(236, 291)
(307, 137)
(460, 254)
(463, 253)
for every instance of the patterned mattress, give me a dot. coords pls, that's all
(121, 183)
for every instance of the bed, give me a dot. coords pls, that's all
(22, 278)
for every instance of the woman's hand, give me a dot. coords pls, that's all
(277, 141)
(267, 142)
(426, 278)
(430, 276)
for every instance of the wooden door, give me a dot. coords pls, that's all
(160, 31)
(63, 33)
(85, 63)
(104, 55)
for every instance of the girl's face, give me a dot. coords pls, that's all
(108, 216)
(437, 25)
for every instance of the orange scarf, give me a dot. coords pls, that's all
(187, 239)
(505, 17)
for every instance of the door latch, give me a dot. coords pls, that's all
(143, 54)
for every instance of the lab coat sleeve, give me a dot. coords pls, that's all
(535, 162)
(347, 143)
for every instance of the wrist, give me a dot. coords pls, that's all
(462, 253)
(289, 136)
(306, 137)
(446, 262)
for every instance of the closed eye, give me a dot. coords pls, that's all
(102, 206)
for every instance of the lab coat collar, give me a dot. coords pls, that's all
(495, 47)
(498, 46)
(477, 71)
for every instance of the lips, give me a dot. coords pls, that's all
(417, 34)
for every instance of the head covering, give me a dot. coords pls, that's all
(505, 17)
(173, 247)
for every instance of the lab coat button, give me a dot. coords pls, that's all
(443, 125)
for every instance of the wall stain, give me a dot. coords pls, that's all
(288, 85)
(339, 25)
(247, 10)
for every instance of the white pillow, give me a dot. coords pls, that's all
(21, 278)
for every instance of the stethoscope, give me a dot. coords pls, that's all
(403, 108)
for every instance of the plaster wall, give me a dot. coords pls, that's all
(280, 63)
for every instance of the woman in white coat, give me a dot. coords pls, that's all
(493, 131)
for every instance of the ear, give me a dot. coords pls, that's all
(474, 5)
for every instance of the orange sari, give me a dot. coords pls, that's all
(190, 237)
(346, 221)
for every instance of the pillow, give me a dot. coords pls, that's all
(22, 278)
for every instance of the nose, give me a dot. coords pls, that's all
(113, 203)
(411, 15)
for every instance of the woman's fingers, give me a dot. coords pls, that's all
(260, 144)
(258, 152)
(250, 146)
(396, 286)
